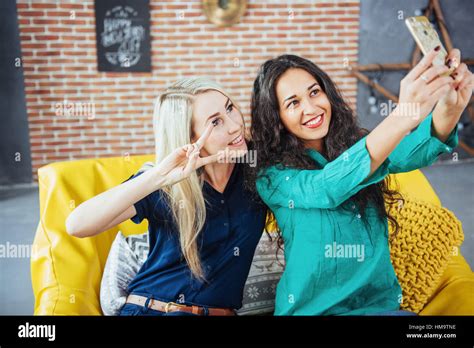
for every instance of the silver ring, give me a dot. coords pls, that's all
(424, 78)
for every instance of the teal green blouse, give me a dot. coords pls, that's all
(334, 264)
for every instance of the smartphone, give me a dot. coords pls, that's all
(427, 39)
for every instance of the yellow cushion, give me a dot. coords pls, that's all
(454, 293)
(429, 236)
(66, 271)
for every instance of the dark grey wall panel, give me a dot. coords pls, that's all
(15, 157)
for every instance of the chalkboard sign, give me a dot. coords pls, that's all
(123, 35)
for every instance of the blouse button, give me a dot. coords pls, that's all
(287, 178)
(222, 201)
(353, 206)
(359, 216)
(448, 148)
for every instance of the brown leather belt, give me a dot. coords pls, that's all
(175, 307)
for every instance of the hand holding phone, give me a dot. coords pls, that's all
(427, 39)
(421, 89)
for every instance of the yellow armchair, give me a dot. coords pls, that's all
(66, 271)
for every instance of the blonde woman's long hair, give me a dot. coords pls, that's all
(172, 126)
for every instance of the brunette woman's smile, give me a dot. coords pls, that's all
(314, 122)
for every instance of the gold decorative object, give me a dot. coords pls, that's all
(224, 13)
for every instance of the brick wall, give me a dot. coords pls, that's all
(60, 66)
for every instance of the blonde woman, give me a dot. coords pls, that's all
(203, 225)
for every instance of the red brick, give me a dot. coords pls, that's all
(32, 13)
(33, 30)
(71, 6)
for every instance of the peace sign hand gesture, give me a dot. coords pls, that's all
(180, 163)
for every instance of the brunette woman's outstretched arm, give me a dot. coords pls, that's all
(437, 134)
(420, 90)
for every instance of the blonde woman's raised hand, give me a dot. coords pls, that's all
(184, 160)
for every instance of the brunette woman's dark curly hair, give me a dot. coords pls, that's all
(275, 145)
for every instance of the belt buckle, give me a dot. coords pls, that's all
(167, 306)
(150, 303)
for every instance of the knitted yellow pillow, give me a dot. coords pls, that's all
(428, 237)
